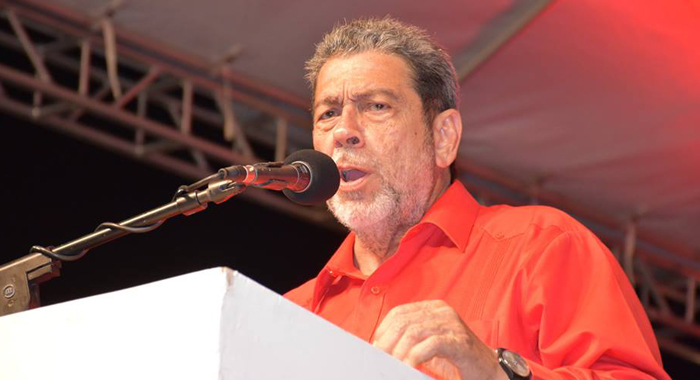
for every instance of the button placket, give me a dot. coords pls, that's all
(367, 317)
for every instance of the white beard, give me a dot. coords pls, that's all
(400, 201)
(358, 212)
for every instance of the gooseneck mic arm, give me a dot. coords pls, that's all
(306, 177)
(186, 203)
(20, 279)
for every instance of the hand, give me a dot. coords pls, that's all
(431, 334)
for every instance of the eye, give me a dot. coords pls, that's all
(327, 115)
(378, 107)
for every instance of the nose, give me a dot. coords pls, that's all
(347, 132)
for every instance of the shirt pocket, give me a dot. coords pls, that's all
(486, 331)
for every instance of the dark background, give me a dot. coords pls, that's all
(56, 188)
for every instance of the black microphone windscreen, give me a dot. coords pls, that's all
(325, 178)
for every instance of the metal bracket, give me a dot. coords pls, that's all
(20, 281)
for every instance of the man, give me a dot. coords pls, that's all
(426, 273)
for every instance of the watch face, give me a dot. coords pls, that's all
(516, 363)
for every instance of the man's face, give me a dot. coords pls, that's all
(369, 118)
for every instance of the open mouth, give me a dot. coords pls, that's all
(351, 175)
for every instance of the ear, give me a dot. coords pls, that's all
(447, 134)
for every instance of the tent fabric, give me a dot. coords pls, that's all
(602, 100)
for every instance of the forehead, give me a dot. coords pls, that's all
(363, 73)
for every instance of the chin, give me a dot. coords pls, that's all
(356, 213)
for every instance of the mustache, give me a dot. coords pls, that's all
(351, 157)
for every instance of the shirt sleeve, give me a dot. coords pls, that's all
(590, 322)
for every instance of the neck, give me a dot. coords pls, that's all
(376, 244)
(372, 248)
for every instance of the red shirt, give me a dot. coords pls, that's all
(530, 279)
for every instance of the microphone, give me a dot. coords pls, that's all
(306, 177)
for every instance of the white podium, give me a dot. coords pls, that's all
(213, 324)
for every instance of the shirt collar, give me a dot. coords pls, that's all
(453, 213)
(343, 261)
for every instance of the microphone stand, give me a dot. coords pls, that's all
(20, 279)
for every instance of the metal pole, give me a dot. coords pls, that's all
(128, 119)
(34, 57)
(628, 254)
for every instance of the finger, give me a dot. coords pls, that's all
(394, 326)
(399, 339)
(394, 330)
(394, 316)
(429, 348)
(415, 334)
(401, 316)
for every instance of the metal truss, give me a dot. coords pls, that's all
(189, 118)
(496, 33)
(84, 77)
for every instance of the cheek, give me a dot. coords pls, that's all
(320, 142)
(393, 142)
(390, 153)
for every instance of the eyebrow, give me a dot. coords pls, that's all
(335, 100)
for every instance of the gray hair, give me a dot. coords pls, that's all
(433, 74)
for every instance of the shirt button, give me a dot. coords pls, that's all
(375, 290)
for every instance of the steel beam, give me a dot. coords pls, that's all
(193, 172)
(127, 119)
(29, 48)
(131, 46)
(497, 33)
(155, 91)
(134, 91)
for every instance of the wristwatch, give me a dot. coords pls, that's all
(514, 365)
